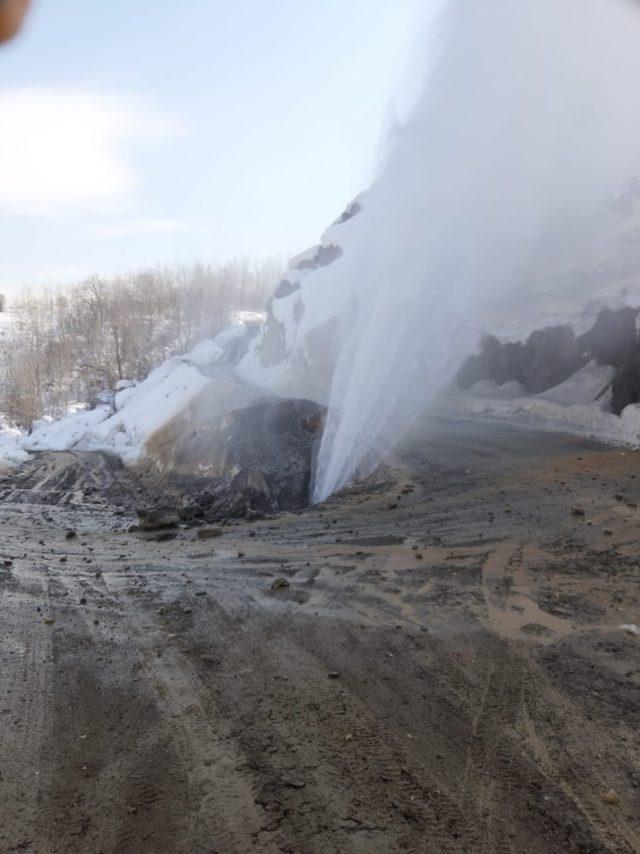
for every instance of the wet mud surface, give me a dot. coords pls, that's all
(439, 668)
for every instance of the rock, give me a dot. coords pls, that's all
(83, 600)
(611, 797)
(625, 387)
(165, 536)
(245, 463)
(294, 784)
(550, 356)
(280, 584)
(577, 511)
(48, 621)
(607, 532)
(70, 535)
(190, 512)
(630, 629)
(547, 358)
(156, 518)
(496, 361)
(209, 533)
(612, 336)
(333, 674)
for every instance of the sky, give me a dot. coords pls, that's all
(152, 132)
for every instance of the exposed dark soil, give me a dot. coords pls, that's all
(444, 671)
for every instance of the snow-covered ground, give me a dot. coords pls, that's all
(578, 405)
(11, 451)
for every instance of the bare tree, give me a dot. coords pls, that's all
(74, 344)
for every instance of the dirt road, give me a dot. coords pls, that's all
(443, 670)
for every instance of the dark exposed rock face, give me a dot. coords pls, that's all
(550, 356)
(248, 462)
(352, 209)
(546, 358)
(285, 288)
(496, 362)
(322, 257)
(273, 347)
(613, 336)
(625, 388)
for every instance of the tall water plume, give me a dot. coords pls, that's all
(527, 127)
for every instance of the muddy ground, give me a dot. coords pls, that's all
(444, 672)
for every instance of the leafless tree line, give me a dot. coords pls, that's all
(75, 343)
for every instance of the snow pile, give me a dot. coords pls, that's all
(138, 410)
(165, 392)
(11, 451)
(214, 351)
(578, 405)
(60, 435)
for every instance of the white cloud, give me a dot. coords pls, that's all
(65, 150)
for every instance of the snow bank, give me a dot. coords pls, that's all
(212, 351)
(166, 392)
(11, 451)
(63, 434)
(578, 405)
(138, 410)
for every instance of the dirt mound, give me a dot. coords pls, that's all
(251, 461)
(71, 478)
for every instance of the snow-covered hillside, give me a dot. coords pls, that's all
(138, 410)
(294, 352)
